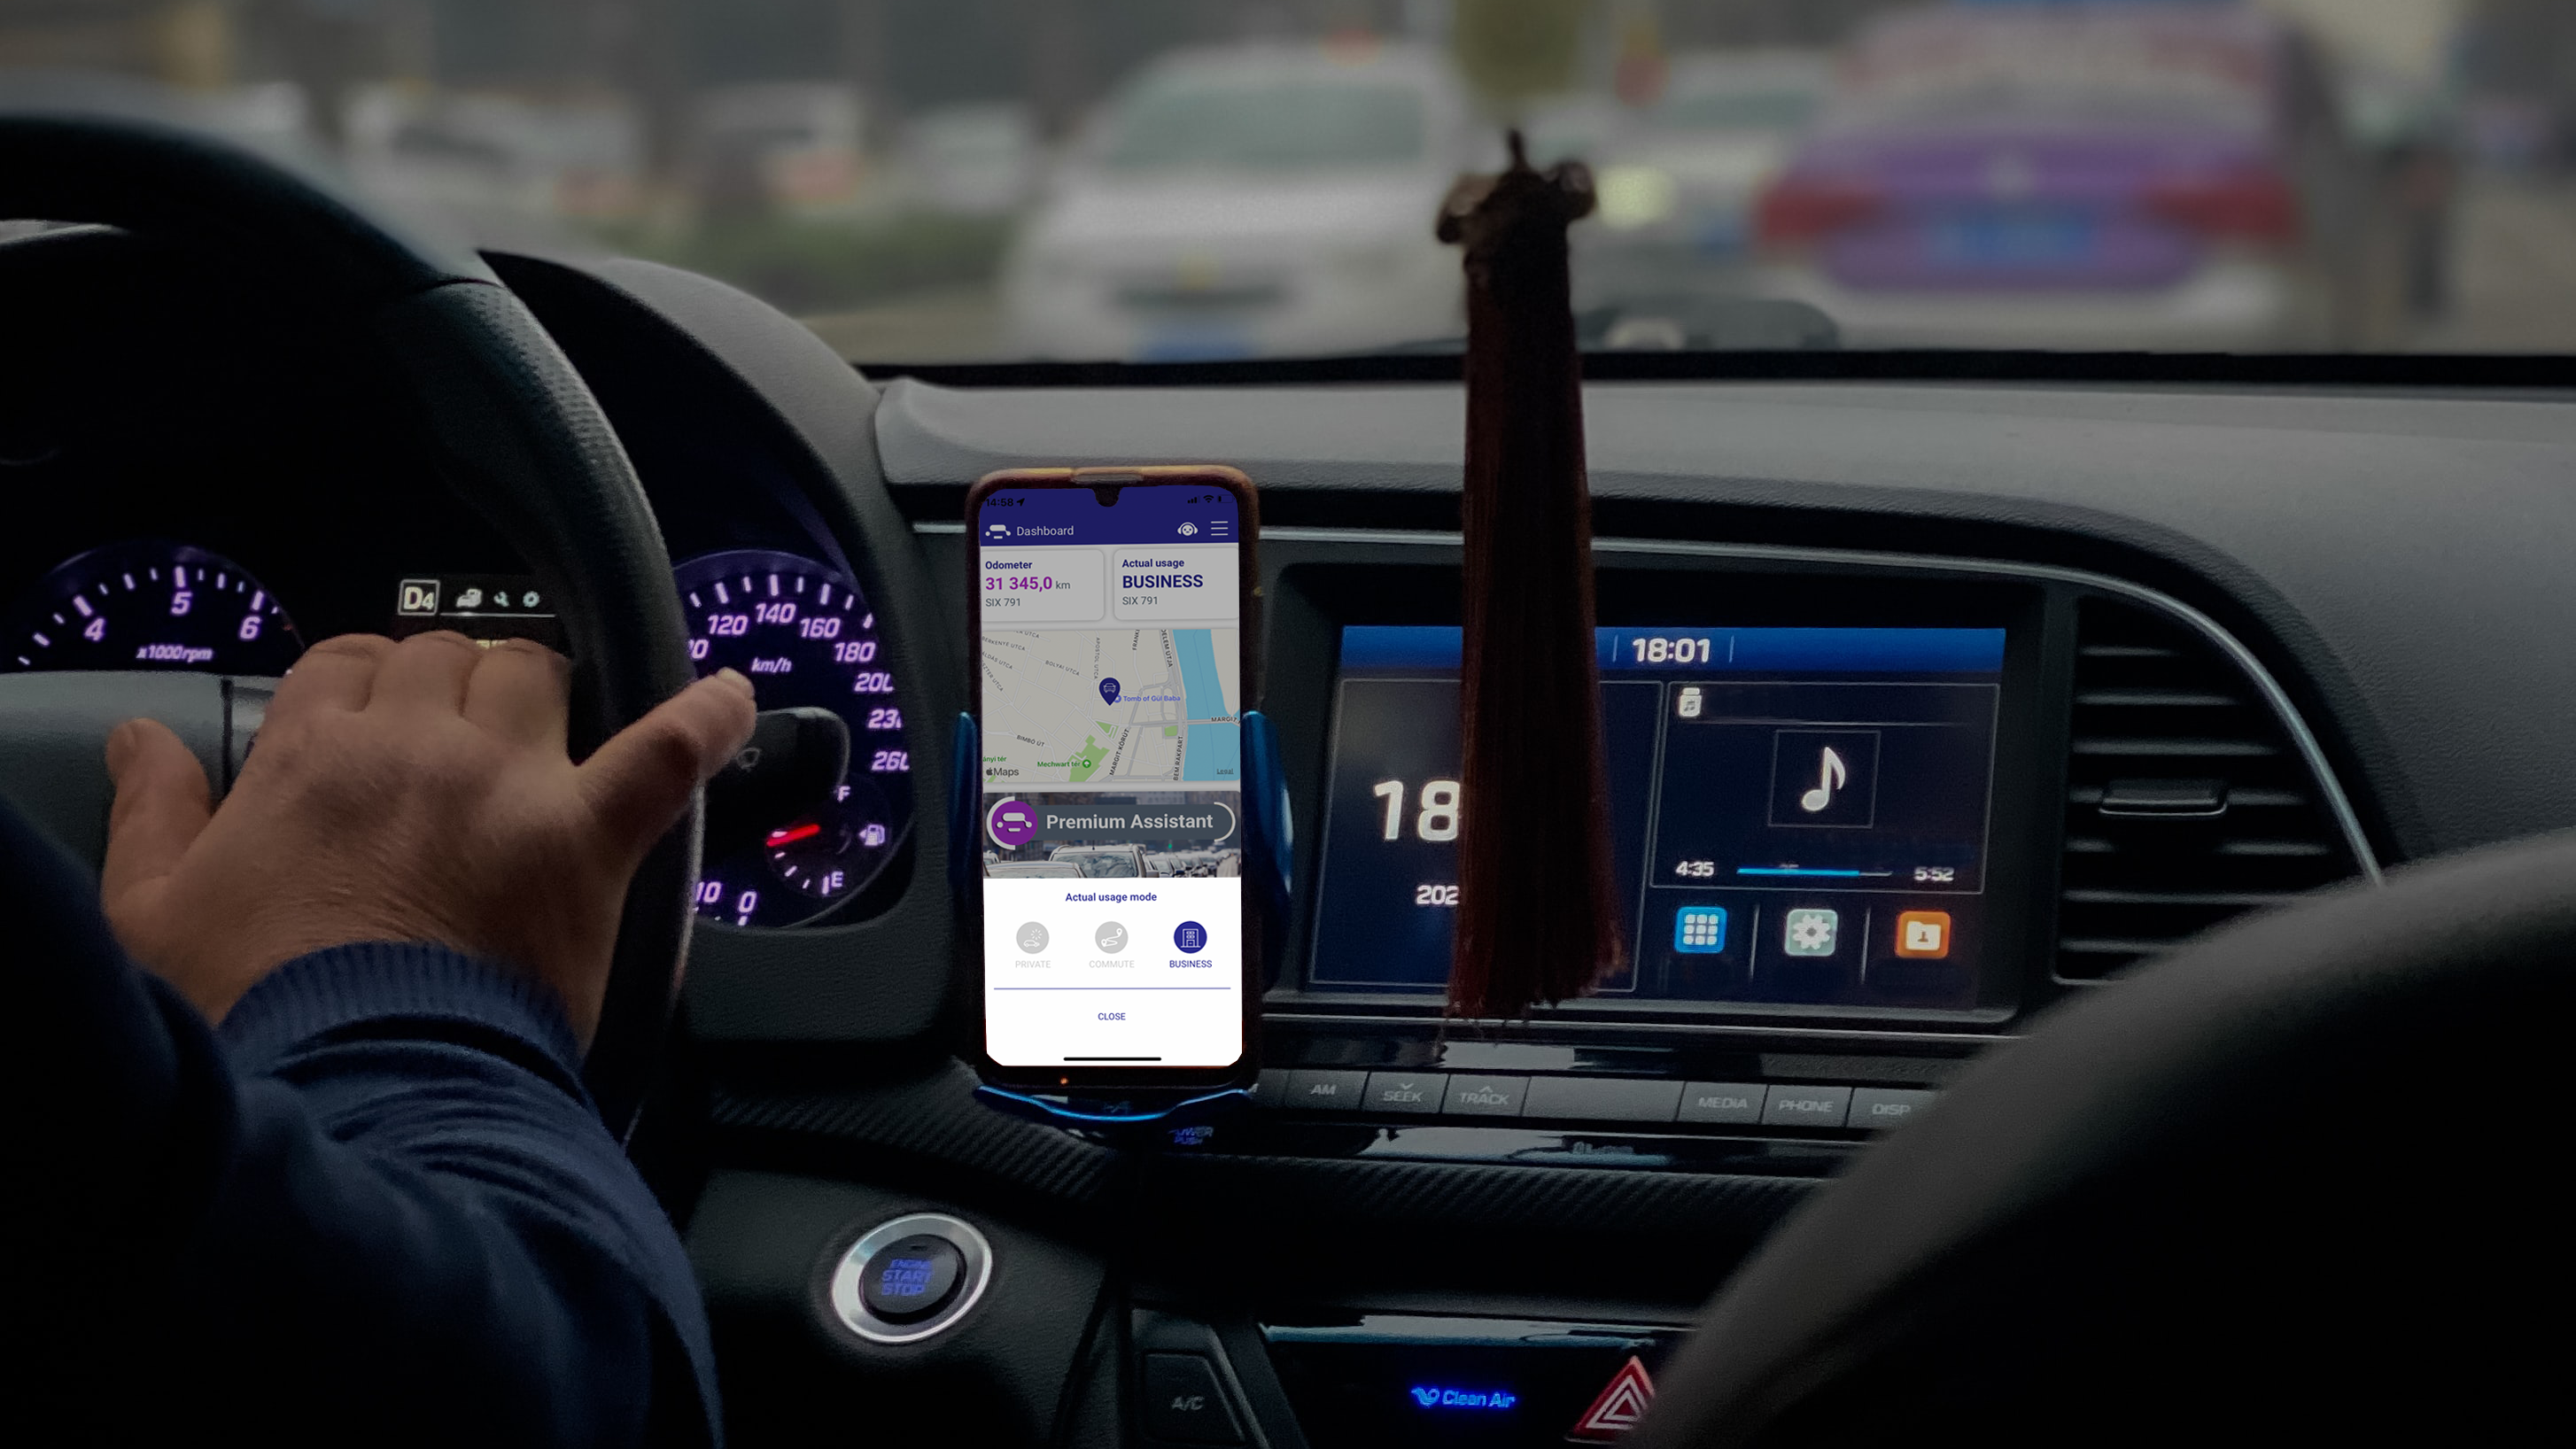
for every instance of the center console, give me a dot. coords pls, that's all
(1867, 814)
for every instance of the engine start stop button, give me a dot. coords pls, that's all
(912, 1278)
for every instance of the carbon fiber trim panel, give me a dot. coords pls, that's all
(1339, 1194)
(1247, 1223)
(934, 1122)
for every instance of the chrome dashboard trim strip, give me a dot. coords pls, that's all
(1855, 1034)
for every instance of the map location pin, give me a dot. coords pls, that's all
(1109, 691)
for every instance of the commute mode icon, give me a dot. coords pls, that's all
(1013, 823)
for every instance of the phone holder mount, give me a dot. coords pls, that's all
(1157, 1116)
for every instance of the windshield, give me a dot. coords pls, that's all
(928, 181)
(1738, 110)
(1285, 126)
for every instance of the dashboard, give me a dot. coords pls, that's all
(1929, 705)
(229, 555)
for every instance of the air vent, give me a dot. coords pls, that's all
(2186, 802)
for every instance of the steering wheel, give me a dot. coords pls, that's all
(519, 439)
(2281, 1187)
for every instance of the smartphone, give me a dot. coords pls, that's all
(1114, 621)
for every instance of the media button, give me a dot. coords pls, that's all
(1416, 1093)
(1737, 1102)
(1316, 1091)
(1485, 1096)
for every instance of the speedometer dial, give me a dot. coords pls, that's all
(805, 635)
(147, 604)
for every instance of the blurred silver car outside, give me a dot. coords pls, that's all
(1265, 199)
(1678, 183)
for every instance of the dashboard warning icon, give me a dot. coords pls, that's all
(1622, 1403)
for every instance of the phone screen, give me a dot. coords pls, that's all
(1112, 822)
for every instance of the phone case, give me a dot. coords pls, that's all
(1123, 1079)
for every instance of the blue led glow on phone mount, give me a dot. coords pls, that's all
(1155, 1115)
(1269, 846)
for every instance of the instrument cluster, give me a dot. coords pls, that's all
(801, 629)
(151, 604)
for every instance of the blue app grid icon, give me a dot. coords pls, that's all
(1699, 930)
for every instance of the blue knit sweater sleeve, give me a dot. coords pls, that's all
(374, 1206)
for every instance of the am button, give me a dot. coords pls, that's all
(1323, 1091)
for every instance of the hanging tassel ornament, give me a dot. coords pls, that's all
(1538, 918)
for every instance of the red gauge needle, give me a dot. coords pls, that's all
(793, 834)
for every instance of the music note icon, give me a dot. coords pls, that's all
(1831, 775)
(1824, 778)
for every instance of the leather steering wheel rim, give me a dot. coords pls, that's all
(2202, 1150)
(519, 436)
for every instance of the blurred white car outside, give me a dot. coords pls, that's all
(979, 160)
(1258, 200)
(797, 147)
(477, 155)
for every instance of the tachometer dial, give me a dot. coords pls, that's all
(805, 635)
(147, 604)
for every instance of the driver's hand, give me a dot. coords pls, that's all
(417, 791)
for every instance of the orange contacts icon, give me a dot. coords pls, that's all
(1923, 935)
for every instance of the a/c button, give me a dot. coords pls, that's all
(1184, 1403)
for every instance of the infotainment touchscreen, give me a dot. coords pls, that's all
(1799, 816)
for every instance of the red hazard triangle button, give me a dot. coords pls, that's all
(1618, 1409)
